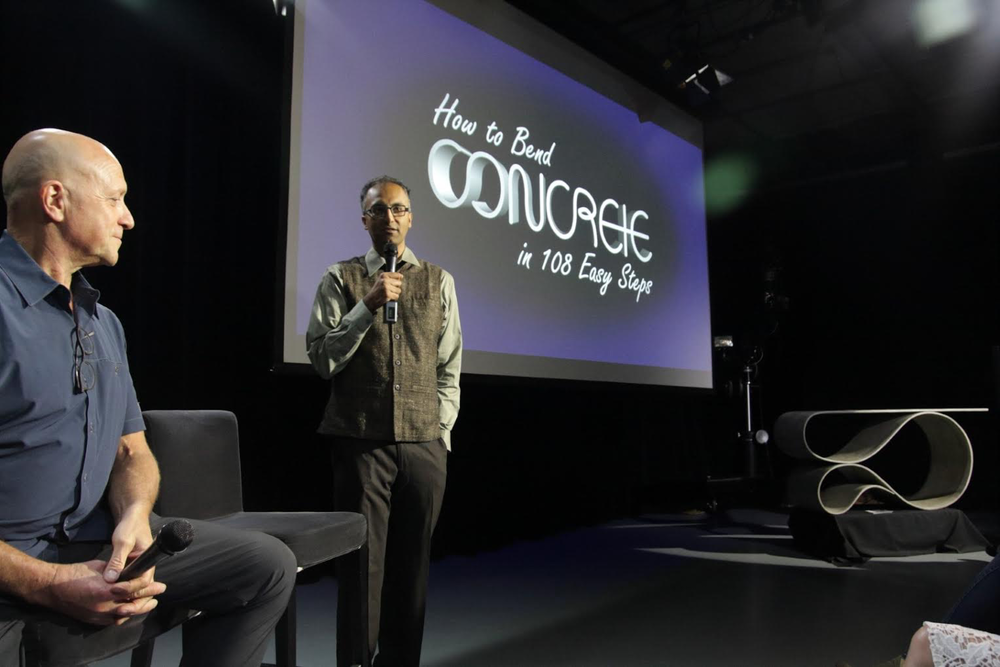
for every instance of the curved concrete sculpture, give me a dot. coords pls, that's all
(836, 487)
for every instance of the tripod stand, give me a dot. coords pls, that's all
(750, 438)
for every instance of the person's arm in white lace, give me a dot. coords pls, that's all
(941, 644)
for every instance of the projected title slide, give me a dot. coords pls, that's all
(574, 231)
(583, 209)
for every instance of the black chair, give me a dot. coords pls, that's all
(207, 441)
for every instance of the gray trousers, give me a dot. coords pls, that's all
(240, 580)
(398, 487)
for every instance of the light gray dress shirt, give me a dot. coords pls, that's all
(334, 333)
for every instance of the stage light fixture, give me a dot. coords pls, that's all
(703, 83)
(707, 78)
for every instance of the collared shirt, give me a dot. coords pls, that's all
(334, 333)
(57, 442)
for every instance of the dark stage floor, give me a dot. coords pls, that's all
(721, 590)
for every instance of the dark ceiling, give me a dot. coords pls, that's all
(818, 86)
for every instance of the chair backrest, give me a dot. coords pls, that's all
(199, 456)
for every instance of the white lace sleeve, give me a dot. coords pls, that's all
(958, 646)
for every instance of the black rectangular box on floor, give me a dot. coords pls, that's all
(857, 535)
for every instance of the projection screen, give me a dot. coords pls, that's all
(566, 200)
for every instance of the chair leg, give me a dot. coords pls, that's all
(357, 562)
(284, 632)
(142, 655)
(284, 636)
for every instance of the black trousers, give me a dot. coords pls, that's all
(979, 606)
(241, 581)
(398, 487)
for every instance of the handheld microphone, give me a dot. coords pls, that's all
(391, 311)
(173, 538)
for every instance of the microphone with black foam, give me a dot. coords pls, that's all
(391, 311)
(173, 538)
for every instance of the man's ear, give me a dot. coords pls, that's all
(53, 195)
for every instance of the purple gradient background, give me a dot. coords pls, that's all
(373, 74)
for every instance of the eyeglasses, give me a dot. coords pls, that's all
(379, 211)
(84, 377)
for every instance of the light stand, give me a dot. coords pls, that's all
(751, 439)
(742, 356)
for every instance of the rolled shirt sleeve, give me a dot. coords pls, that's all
(449, 363)
(334, 333)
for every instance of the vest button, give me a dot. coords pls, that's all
(398, 362)
(396, 387)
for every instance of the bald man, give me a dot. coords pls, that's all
(77, 479)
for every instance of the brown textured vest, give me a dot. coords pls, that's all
(388, 390)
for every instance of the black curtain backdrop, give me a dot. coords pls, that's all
(891, 279)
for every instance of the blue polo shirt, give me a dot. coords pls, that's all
(57, 443)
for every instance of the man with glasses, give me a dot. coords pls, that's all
(393, 402)
(77, 479)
